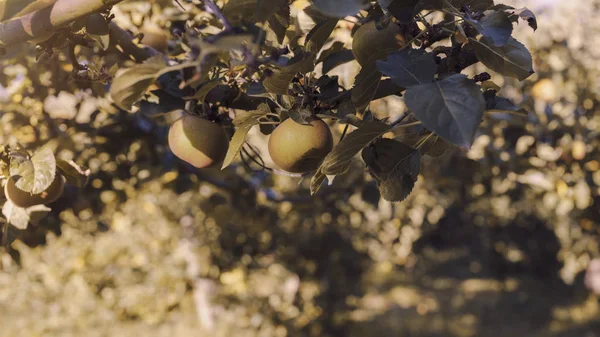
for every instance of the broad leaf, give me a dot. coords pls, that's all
(201, 93)
(512, 60)
(365, 86)
(97, 29)
(316, 38)
(408, 67)
(35, 174)
(340, 8)
(130, 84)
(429, 144)
(395, 167)
(9, 233)
(452, 108)
(279, 22)
(495, 26)
(301, 116)
(527, 15)
(479, 5)
(20, 217)
(243, 123)
(435, 146)
(403, 10)
(15, 215)
(279, 81)
(336, 59)
(252, 10)
(338, 160)
(75, 174)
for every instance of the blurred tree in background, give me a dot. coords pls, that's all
(299, 168)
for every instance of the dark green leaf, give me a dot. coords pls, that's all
(201, 93)
(429, 144)
(9, 234)
(75, 174)
(478, 5)
(365, 86)
(316, 38)
(403, 10)
(434, 146)
(256, 89)
(394, 166)
(130, 84)
(336, 59)
(280, 22)
(512, 60)
(452, 108)
(279, 81)
(338, 160)
(527, 15)
(340, 8)
(97, 29)
(495, 26)
(408, 67)
(243, 124)
(243, 117)
(252, 10)
(301, 116)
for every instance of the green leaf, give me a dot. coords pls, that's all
(512, 60)
(527, 15)
(15, 215)
(340, 8)
(495, 26)
(395, 167)
(435, 147)
(409, 67)
(34, 174)
(97, 29)
(336, 59)
(280, 22)
(477, 5)
(403, 10)
(243, 122)
(244, 116)
(339, 159)
(301, 115)
(9, 233)
(452, 108)
(238, 11)
(429, 144)
(75, 174)
(20, 217)
(256, 89)
(130, 84)
(201, 93)
(365, 86)
(316, 38)
(279, 81)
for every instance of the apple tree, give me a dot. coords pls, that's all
(214, 70)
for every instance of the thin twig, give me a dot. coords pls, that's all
(423, 141)
(399, 120)
(344, 132)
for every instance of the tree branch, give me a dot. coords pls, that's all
(40, 23)
(213, 8)
(122, 38)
